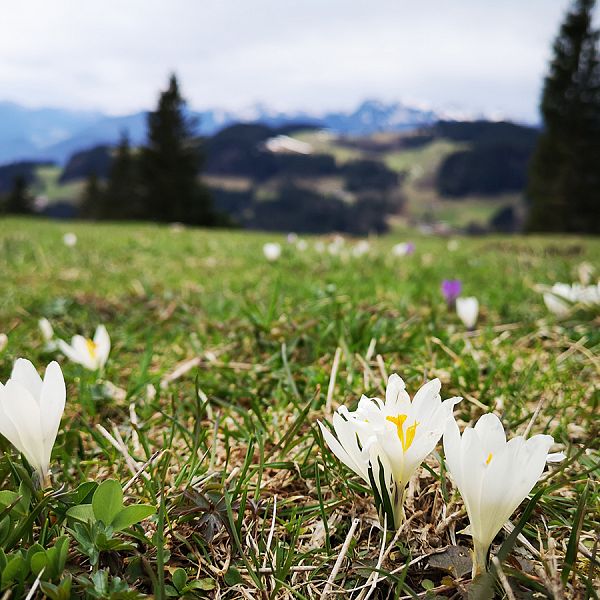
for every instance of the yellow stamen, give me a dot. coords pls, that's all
(92, 347)
(408, 439)
(489, 458)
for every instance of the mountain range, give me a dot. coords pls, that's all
(54, 134)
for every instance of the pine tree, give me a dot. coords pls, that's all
(564, 180)
(19, 201)
(122, 197)
(92, 199)
(170, 164)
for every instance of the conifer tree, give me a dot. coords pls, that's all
(19, 201)
(170, 164)
(122, 197)
(564, 180)
(92, 199)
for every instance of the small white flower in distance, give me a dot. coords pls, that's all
(302, 245)
(48, 334)
(403, 249)
(493, 476)
(46, 329)
(30, 412)
(292, 238)
(70, 239)
(361, 248)
(386, 442)
(561, 297)
(92, 354)
(467, 310)
(453, 245)
(585, 272)
(272, 251)
(336, 245)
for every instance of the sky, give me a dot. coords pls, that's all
(482, 56)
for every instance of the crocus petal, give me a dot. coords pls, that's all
(341, 453)
(426, 400)
(490, 431)
(453, 451)
(102, 341)
(46, 329)
(7, 427)
(472, 461)
(82, 355)
(52, 402)
(23, 410)
(397, 399)
(67, 350)
(346, 435)
(24, 372)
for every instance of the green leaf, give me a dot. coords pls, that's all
(39, 561)
(15, 570)
(7, 498)
(62, 551)
(179, 579)
(233, 576)
(4, 529)
(108, 501)
(131, 515)
(83, 494)
(82, 512)
(205, 584)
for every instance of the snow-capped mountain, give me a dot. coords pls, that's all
(55, 134)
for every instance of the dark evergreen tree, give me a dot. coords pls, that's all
(91, 206)
(122, 199)
(19, 201)
(170, 164)
(564, 178)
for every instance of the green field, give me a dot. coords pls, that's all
(249, 501)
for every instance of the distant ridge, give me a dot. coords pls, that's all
(55, 134)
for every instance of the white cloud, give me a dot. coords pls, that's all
(114, 55)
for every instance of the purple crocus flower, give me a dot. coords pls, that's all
(451, 289)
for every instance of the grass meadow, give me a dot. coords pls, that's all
(222, 363)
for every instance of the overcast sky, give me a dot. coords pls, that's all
(113, 55)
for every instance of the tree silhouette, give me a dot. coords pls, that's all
(92, 199)
(122, 197)
(564, 178)
(19, 201)
(170, 163)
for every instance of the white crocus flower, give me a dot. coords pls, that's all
(361, 248)
(385, 442)
(92, 354)
(30, 412)
(561, 297)
(467, 310)
(46, 329)
(48, 334)
(493, 476)
(70, 239)
(272, 251)
(403, 249)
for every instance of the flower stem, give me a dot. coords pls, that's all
(480, 552)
